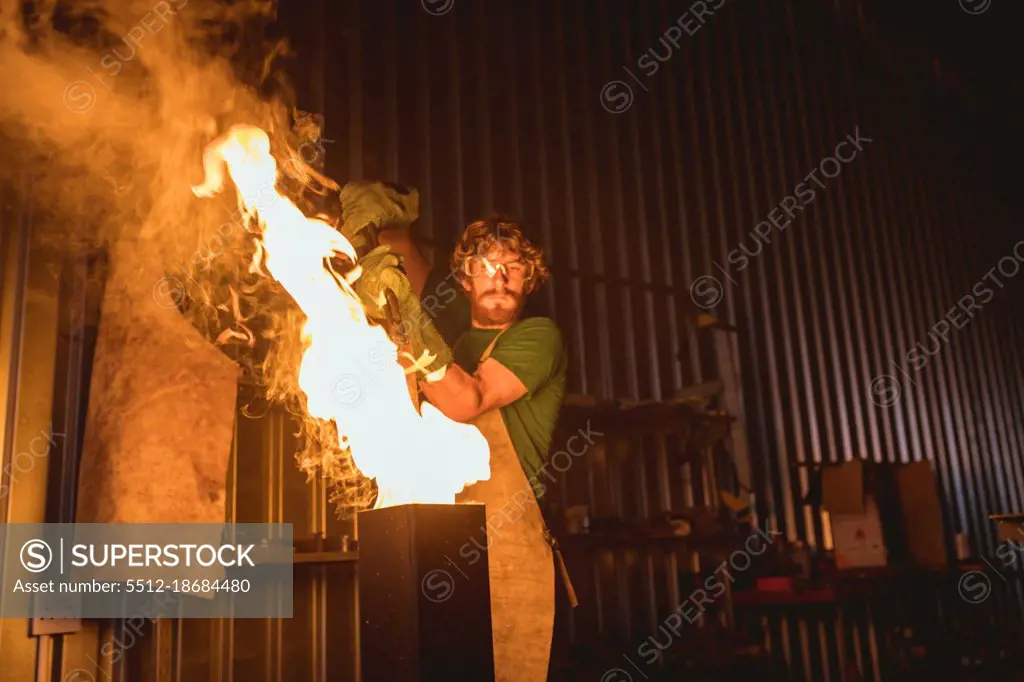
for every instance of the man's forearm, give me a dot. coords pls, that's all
(417, 268)
(457, 394)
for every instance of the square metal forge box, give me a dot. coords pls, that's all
(424, 594)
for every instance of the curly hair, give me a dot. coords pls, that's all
(482, 235)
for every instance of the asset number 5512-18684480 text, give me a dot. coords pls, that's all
(186, 586)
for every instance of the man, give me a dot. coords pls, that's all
(508, 379)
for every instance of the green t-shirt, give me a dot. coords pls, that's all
(533, 350)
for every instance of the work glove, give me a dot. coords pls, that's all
(367, 207)
(384, 289)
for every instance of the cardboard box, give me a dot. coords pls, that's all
(857, 538)
(884, 513)
(922, 515)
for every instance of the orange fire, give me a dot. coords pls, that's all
(350, 371)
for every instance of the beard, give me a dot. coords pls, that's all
(491, 313)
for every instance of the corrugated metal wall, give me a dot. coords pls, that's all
(643, 182)
(485, 105)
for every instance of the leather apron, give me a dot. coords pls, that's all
(519, 558)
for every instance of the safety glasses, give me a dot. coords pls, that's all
(479, 266)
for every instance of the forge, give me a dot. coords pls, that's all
(424, 594)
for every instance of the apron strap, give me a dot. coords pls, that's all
(562, 568)
(490, 347)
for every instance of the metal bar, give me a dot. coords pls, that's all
(318, 558)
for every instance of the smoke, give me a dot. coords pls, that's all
(107, 108)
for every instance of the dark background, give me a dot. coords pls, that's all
(496, 105)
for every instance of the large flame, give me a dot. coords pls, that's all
(350, 371)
